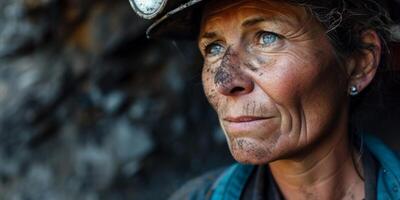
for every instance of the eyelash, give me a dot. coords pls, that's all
(261, 33)
(206, 47)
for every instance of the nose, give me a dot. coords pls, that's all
(229, 78)
(233, 82)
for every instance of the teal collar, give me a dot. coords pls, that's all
(388, 186)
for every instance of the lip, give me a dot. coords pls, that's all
(245, 119)
(245, 125)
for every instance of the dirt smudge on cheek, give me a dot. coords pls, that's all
(208, 86)
(250, 66)
(258, 63)
(214, 98)
(261, 60)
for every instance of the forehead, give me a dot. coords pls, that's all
(218, 12)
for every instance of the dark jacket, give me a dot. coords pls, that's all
(230, 183)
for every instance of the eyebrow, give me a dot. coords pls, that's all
(209, 35)
(254, 21)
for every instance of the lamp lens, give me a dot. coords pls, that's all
(149, 7)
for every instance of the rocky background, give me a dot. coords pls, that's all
(90, 109)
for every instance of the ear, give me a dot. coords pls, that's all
(362, 66)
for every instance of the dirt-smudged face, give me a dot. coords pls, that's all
(272, 76)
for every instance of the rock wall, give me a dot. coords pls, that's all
(90, 109)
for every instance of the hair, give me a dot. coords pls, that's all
(345, 21)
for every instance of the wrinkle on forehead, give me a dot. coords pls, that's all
(215, 7)
(217, 12)
(269, 6)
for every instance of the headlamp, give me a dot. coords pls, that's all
(148, 9)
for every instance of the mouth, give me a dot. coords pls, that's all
(244, 119)
(238, 126)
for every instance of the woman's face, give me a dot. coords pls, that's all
(272, 76)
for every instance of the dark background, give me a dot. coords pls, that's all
(90, 109)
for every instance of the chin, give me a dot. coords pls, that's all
(252, 151)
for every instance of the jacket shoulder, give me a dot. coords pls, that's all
(198, 188)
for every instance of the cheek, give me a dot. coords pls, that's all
(281, 82)
(209, 86)
(308, 94)
(293, 75)
(295, 85)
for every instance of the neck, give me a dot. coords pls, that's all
(324, 172)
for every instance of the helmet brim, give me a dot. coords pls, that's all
(179, 23)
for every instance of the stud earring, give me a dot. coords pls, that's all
(354, 90)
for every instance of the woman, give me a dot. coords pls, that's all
(281, 76)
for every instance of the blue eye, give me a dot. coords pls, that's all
(268, 38)
(214, 49)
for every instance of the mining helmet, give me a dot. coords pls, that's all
(173, 19)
